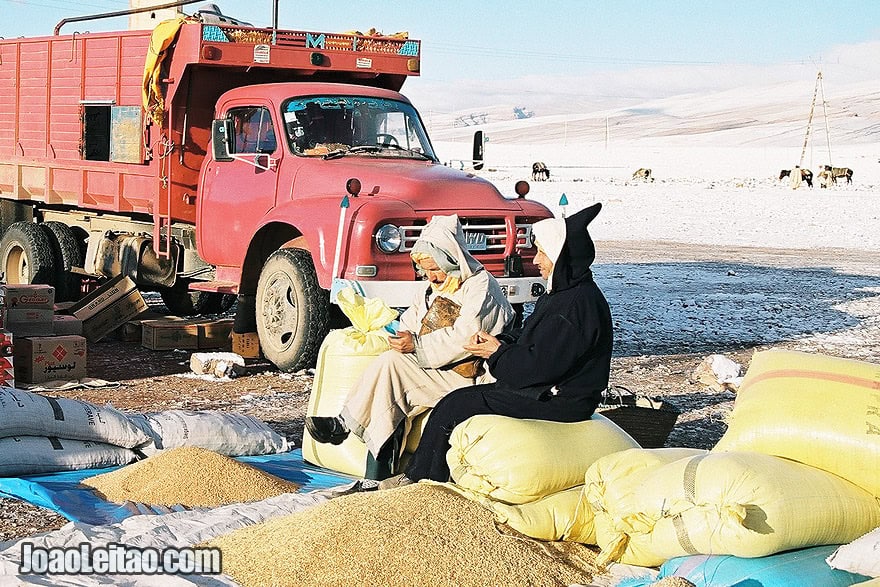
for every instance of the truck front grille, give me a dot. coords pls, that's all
(484, 235)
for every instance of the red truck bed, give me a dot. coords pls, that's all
(67, 138)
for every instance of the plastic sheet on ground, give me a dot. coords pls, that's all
(175, 530)
(62, 492)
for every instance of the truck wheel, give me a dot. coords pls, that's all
(67, 253)
(26, 255)
(182, 302)
(292, 310)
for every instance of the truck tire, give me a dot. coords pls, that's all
(182, 302)
(292, 310)
(67, 253)
(26, 255)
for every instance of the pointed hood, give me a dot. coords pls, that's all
(568, 244)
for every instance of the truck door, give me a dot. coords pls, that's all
(237, 194)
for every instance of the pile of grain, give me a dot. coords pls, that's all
(416, 535)
(189, 476)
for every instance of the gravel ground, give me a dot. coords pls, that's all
(673, 304)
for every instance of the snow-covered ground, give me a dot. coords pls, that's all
(704, 195)
(742, 259)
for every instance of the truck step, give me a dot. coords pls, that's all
(226, 287)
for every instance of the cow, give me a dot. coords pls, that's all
(540, 172)
(806, 175)
(643, 173)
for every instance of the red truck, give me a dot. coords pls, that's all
(211, 161)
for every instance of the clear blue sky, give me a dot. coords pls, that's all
(497, 40)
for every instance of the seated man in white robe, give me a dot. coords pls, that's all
(427, 359)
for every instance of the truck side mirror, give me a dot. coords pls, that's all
(222, 133)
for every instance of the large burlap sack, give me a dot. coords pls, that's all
(23, 413)
(33, 455)
(610, 482)
(559, 516)
(861, 556)
(811, 409)
(517, 461)
(226, 433)
(738, 503)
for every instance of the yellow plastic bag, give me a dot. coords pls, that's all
(517, 461)
(609, 485)
(743, 504)
(559, 516)
(369, 316)
(817, 410)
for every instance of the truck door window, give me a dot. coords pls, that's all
(254, 131)
(96, 133)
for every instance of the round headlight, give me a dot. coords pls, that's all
(388, 238)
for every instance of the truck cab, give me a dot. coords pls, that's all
(347, 175)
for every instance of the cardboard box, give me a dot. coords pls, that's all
(170, 333)
(27, 296)
(131, 331)
(102, 297)
(215, 334)
(111, 316)
(29, 321)
(7, 370)
(50, 358)
(63, 307)
(64, 325)
(246, 344)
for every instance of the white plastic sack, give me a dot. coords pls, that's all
(23, 413)
(32, 455)
(227, 433)
(861, 556)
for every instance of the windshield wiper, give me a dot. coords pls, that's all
(338, 153)
(358, 149)
(395, 147)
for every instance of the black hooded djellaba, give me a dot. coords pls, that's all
(555, 370)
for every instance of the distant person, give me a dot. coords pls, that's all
(421, 366)
(796, 177)
(556, 369)
(825, 178)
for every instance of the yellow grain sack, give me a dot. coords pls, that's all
(518, 461)
(559, 516)
(609, 485)
(340, 364)
(343, 356)
(812, 409)
(742, 504)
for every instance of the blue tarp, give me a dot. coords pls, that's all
(61, 492)
(805, 567)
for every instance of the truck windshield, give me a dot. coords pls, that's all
(343, 125)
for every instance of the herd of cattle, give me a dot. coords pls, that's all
(827, 176)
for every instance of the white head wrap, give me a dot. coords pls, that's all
(550, 236)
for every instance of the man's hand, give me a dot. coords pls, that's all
(482, 344)
(402, 342)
